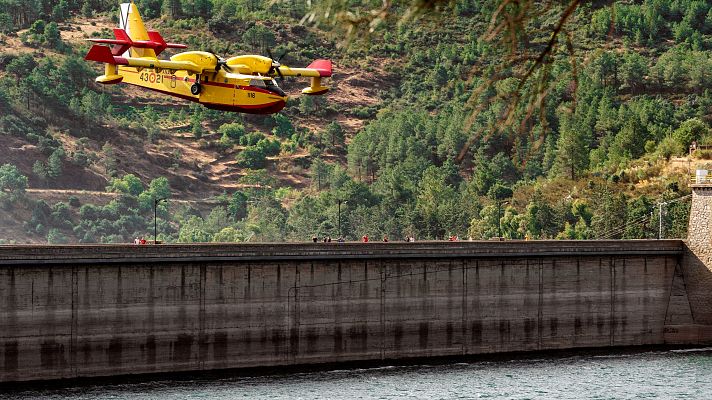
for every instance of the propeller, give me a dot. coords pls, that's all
(276, 64)
(221, 63)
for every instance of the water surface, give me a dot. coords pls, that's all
(660, 374)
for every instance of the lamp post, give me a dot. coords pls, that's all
(155, 218)
(499, 218)
(253, 229)
(338, 223)
(660, 219)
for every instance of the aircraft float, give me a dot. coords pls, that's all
(243, 83)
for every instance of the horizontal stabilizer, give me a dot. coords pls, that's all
(121, 34)
(158, 39)
(100, 54)
(322, 66)
(157, 43)
(126, 44)
(123, 42)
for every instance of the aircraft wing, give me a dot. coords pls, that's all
(104, 54)
(317, 69)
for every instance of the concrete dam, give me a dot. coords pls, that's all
(80, 311)
(106, 310)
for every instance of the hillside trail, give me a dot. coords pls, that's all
(65, 194)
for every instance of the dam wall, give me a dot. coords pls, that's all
(83, 311)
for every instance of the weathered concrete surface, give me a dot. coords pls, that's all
(73, 311)
(696, 276)
(698, 257)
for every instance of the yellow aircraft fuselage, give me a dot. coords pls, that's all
(221, 91)
(242, 83)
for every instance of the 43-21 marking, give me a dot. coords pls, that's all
(151, 77)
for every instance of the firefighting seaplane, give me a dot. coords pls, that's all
(242, 84)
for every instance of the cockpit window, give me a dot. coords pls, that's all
(268, 84)
(272, 87)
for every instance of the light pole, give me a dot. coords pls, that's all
(660, 219)
(155, 218)
(254, 230)
(338, 223)
(499, 218)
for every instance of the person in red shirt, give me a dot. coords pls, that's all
(365, 238)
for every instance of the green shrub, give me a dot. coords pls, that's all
(74, 201)
(55, 236)
(233, 131)
(669, 147)
(252, 157)
(251, 138)
(283, 126)
(692, 129)
(11, 180)
(269, 147)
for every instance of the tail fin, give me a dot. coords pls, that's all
(131, 22)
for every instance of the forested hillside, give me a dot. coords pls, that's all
(430, 129)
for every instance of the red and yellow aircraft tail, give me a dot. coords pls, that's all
(131, 39)
(130, 21)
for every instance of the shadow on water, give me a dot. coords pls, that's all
(326, 372)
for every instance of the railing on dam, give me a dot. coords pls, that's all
(79, 254)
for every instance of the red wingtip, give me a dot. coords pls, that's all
(323, 66)
(100, 54)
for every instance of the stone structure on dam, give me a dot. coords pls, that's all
(82, 311)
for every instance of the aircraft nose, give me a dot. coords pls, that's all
(276, 107)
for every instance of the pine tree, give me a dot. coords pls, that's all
(172, 9)
(572, 153)
(51, 35)
(86, 9)
(54, 164)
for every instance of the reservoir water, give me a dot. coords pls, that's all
(657, 374)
